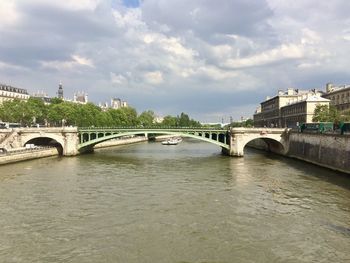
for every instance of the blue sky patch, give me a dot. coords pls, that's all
(131, 3)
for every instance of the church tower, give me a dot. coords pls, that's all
(60, 91)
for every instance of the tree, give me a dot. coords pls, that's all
(323, 113)
(146, 118)
(169, 121)
(63, 113)
(184, 120)
(56, 100)
(37, 110)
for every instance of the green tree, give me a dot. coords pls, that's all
(323, 113)
(56, 100)
(184, 120)
(169, 121)
(345, 116)
(63, 113)
(37, 110)
(146, 118)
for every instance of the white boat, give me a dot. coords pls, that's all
(172, 141)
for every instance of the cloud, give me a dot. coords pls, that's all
(154, 78)
(207, 56)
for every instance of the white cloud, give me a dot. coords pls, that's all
(68, 64)
(165, 46)
(286, 51)
(118, 79)
(83, 61)
(154, 78)
(8, 14)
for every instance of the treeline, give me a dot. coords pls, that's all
(323, 113)
(58, 113)
(247, 124)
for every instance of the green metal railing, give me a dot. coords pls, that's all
(90, 136)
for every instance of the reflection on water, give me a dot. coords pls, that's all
(184, 203)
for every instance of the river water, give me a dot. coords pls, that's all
(186, 203)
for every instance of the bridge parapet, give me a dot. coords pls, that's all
(259, 130)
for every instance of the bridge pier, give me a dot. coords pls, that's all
(237, 144)
(70, 147)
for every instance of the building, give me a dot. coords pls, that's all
(117, 103)
(60, 91)
(8, 93)
(339, 96)
(80, 97)
(301, 111)
(43, 96)
(269, 113)
(103, 106)
(158, 119)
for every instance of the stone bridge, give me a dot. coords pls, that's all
(66, 138)
(277, 140)
(73, 140)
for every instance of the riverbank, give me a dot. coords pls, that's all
(118, 142)
(27, 155)
(22, 154)
(326, 150)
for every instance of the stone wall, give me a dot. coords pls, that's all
(6, 159)
(122, 141)
(331, 151)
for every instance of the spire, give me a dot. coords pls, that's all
(60, 91)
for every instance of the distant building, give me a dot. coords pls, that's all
(301, 111)
(339, 96)
(60, 91)
(269, 114)
(43, 96)
(103, 106)
(117, 103)
(158, 119)
(80, 97)
(8, 93)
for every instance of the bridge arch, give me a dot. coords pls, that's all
(89, 144)
(265, 143)
(275, 140)
(45, 140)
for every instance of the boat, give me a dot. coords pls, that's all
(170, 142)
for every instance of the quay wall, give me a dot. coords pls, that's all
(27, 155)
(118, 142)
(327, 150)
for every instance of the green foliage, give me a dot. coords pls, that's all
(345, 116)
(247, 123)
(56, 101)
(169, 121)
(146, 118)
(323, 113)
(180, 121)
(60, 113)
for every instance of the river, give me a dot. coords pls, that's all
(187, 203)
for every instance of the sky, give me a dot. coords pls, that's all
(210, 59)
